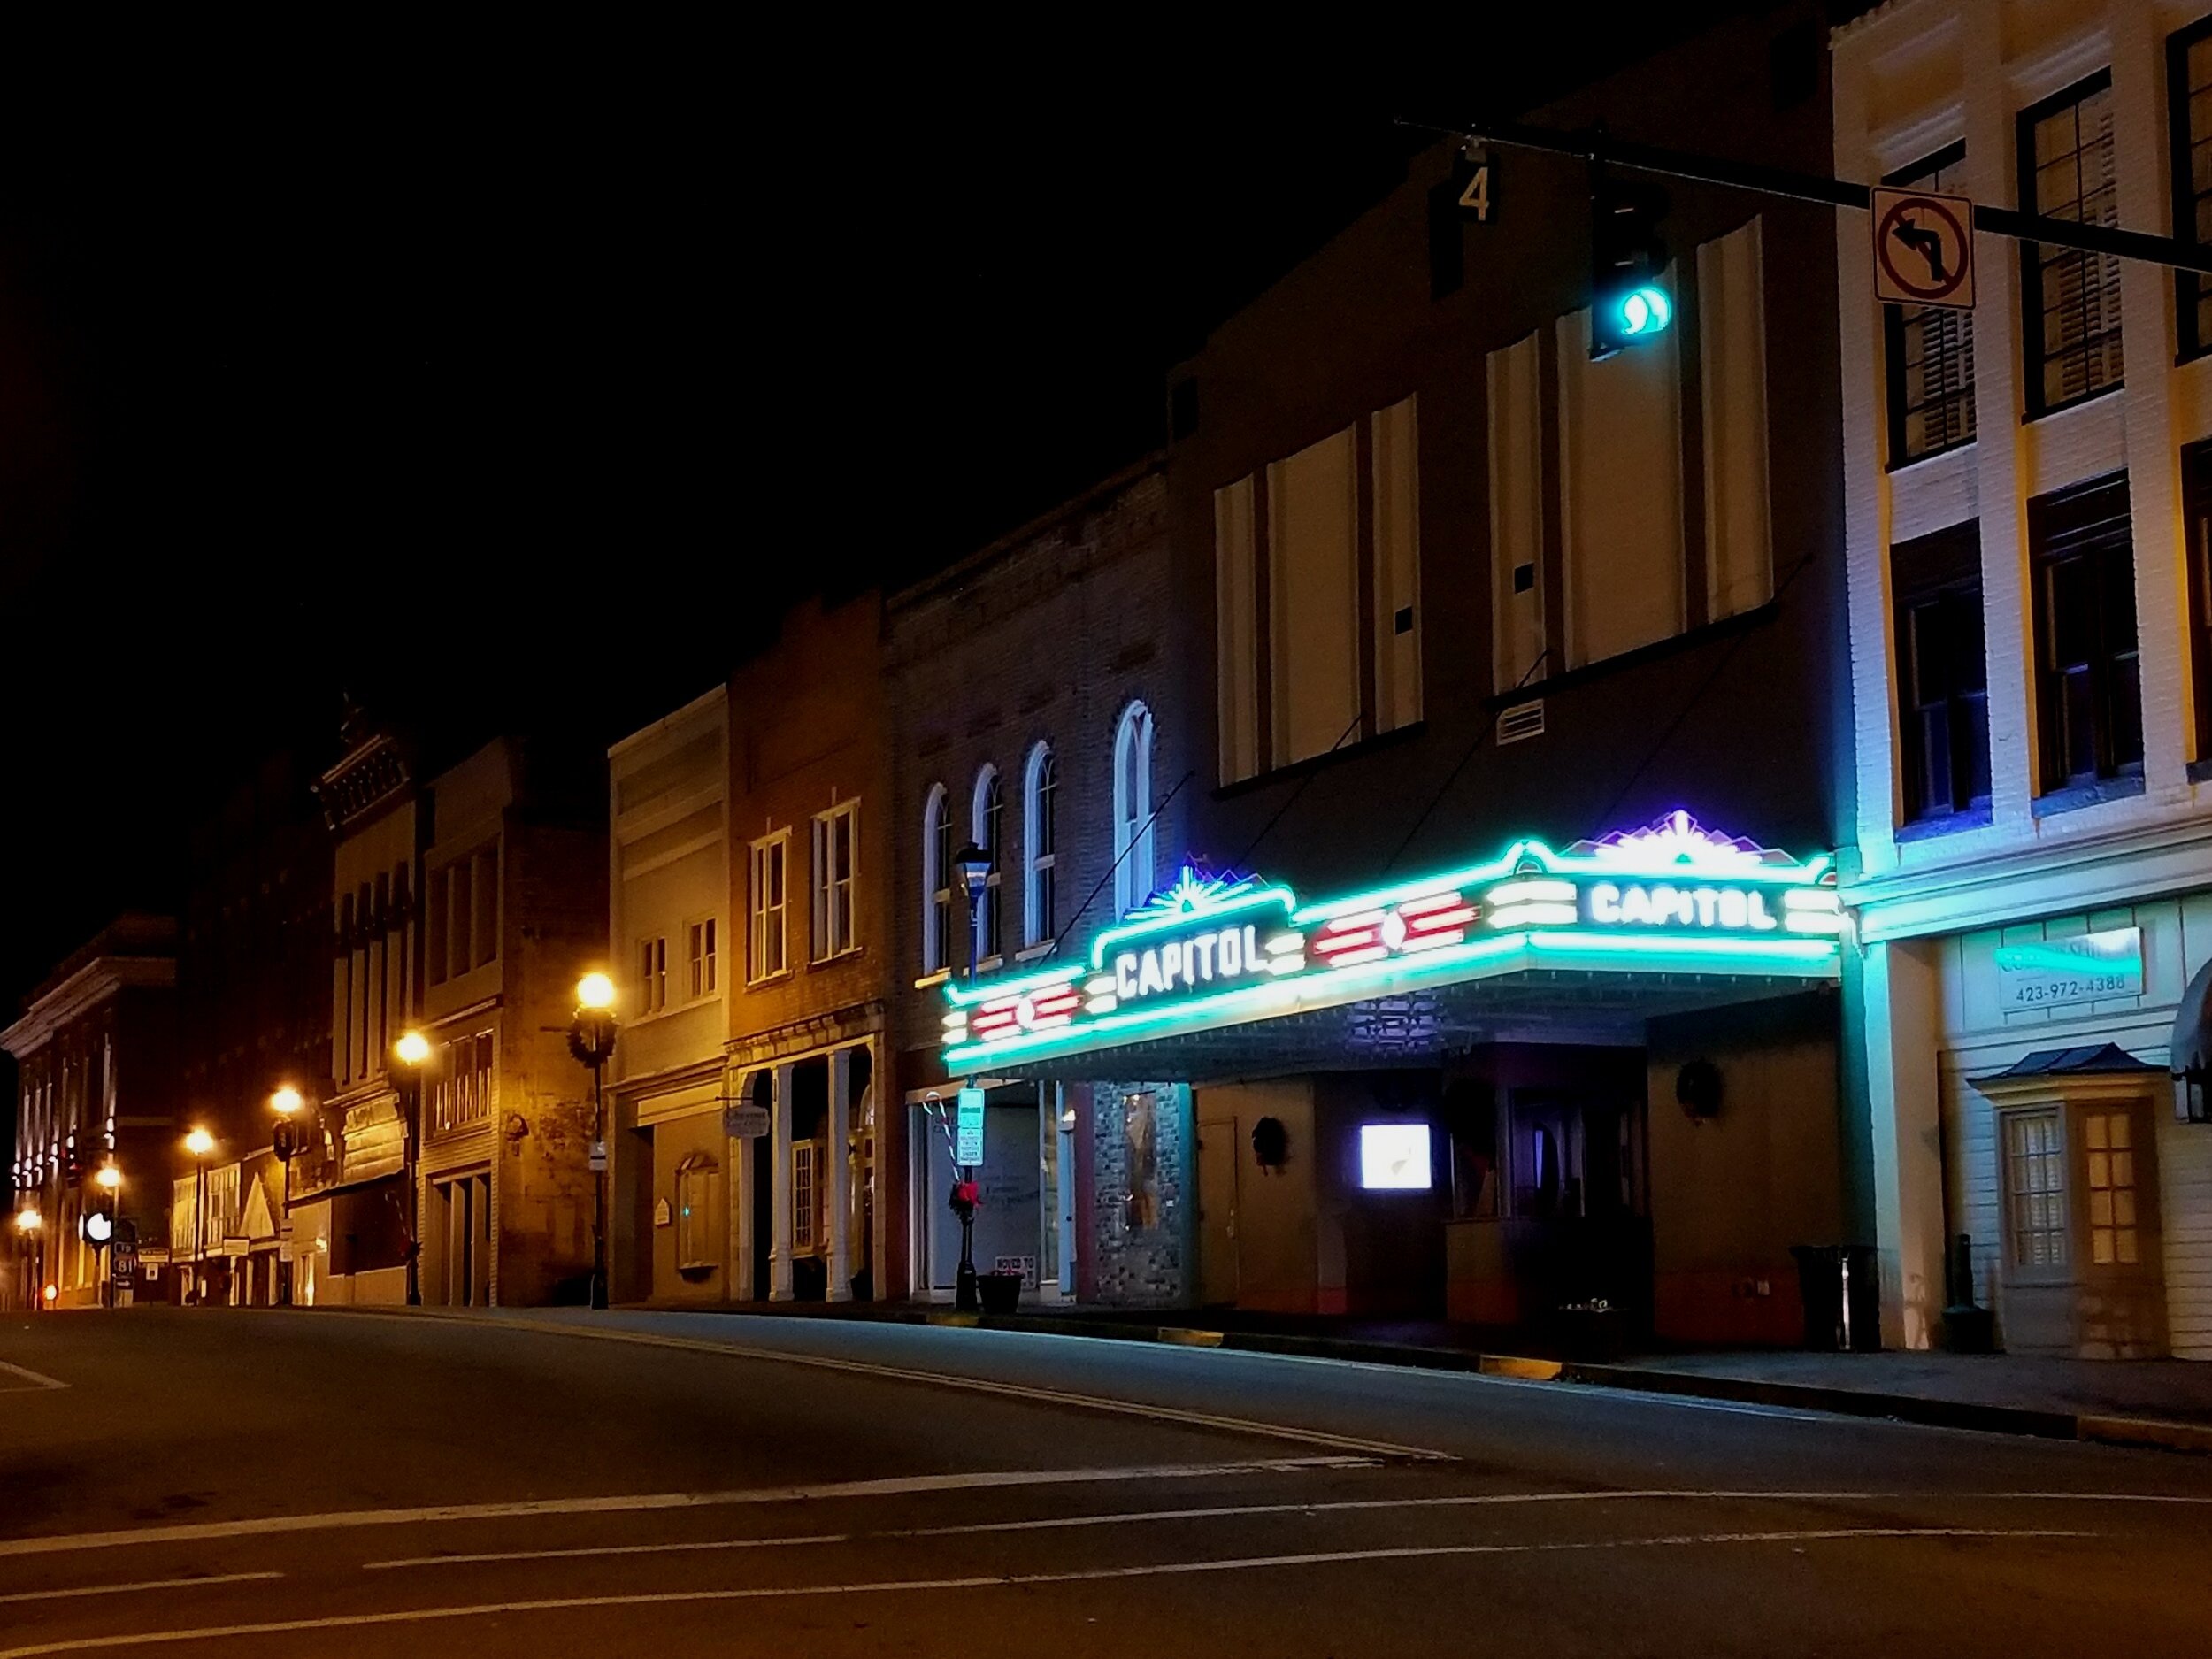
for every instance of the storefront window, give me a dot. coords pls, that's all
(2035, 1183)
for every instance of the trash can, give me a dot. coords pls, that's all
(1841, 1289)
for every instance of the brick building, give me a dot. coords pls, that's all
(513, 913)
(95, 1073)
(1036, 714)
(810, 1044)
(1464, 1010)
(2029, 520)
(253, 1014)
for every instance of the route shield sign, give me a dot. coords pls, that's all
(1923, 249)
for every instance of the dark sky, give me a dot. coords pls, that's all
(518, 381)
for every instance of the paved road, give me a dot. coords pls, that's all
(250, 1483)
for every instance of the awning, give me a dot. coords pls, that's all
(2089, 1060)
(2189, 1050)
(1219, 974)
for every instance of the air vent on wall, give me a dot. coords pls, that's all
(1523, 719)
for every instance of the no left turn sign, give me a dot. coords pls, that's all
(1923, 249)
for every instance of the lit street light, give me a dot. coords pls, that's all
(413, 1052)
(284, 1141)
(199, 1143)
(973, 867)
(591, 1034)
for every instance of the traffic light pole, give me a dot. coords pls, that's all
(1594, 144)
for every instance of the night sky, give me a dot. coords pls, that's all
(529, 386)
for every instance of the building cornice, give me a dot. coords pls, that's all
(94, 983)
(2089, 872)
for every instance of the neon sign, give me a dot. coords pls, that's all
(1210, 951)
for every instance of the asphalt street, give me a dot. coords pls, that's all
(257, 1482)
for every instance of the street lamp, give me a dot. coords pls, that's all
(109, 1178)
(973, 867)
(284, 1142)
(591, 1034)
(199, 1143)
(413, 1053)
(27, 1222)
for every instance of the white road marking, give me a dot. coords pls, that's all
(36, 1379)
(1026, 1393)
(892, 1486)
(555, 1604)
(143, 1584)
(1112, 1518)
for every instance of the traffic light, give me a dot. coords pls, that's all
(1629, 300)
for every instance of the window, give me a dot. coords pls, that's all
(836, 861)
(1040, 783)
(698, 1202)
(1396, 479)
(461, 1088)
(2070, 300)
(2108, 1177)
(2035, 1188)
(1313, 598)
(2189, 116)
(486, 862)
(2196, 496)
(700, 955)
(1517, 512)
(1930, 348)
(804, 1159)
(652, 975)
(764, 953)
(988, 813)
(433, 928)
(1132, 809)
(459, 908)
(1733, 381)
(936, 881)
(1236, 629)
(1942, 673)
(1620, 469)
(2089, 697)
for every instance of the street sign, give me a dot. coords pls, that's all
(122, 1262)
(744, 1123)
(598, 1158)
(1923, 249)
(967, 1134)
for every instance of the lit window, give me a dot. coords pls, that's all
(936, 881)
(1930, 348)
(2109, 1172)
(2035, 1188)
(699, 956)
(2069, 299)
(986, 825)
(765, 898)
(1040, 783)
(803, 1162)
(836, 884)
(1132, 809)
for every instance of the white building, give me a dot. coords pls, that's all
(2027, 505)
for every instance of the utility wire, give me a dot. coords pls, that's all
(1481, 737)
(1244, 859)
(1069, 927)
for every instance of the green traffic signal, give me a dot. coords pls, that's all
(1645, 312)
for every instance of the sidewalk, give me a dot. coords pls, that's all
(2165, 1404)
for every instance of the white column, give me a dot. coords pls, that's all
(837, 1160)
(779, 1149)
(1906, 1141)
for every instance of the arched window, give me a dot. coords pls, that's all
(989, 813)
(1040, 781)
(1132, 809)
(936, 881)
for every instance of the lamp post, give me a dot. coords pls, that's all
(27, 1222)
(284, 1141)
(591, 1034)
(412, 1052)
(109, 1178)
(199, 1143)
(974, 865)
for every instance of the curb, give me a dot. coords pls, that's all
(1921, 1410)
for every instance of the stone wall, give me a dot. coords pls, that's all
(1139, 1239)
